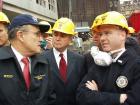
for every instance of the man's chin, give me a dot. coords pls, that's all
(106, 50)
(1, 45)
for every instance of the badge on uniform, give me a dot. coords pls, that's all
(122, 81)
(39, 77)
(8, 76)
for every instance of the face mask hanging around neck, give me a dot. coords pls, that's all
(100, 58)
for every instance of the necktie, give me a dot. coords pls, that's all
(26, 72)
(63, 68)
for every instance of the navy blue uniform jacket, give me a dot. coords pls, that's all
(66, 92)
(108, 93)
(12, 85)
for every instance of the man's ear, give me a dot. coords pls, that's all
(71, 38)
(123, 35)
(20, 35)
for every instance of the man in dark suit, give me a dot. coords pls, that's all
(66, 80)
(24, 74)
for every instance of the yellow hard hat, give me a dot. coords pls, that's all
(4, 18)
(112, 18)
(64, 25)
(96, 22)
(49, 31)
(47, 23)
(131, 30)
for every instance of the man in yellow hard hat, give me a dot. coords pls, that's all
(131, 30)
(92, 56)
(119, 82)
(4, 22)
(67, 66)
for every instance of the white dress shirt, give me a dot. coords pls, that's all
(19, 58)
(57, 57)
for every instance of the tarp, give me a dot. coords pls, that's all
(134, 20)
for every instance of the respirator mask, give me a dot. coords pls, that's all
(100, 58)
(43, 44)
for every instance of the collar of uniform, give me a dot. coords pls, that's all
(118, 50)
(17, 54)
(123, 57)
(6, 53)
(37, 57)
(119, 53)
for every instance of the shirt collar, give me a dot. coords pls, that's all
(58, 53)
(18, 55)
(119, 53)
(115, 51)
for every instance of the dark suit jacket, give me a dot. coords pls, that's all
(132, 45)
(12, 85)
(89, 61)
(66, 92)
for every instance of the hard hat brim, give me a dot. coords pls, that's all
(43, 28)
(72, 34)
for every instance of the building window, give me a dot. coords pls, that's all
(51, 4)
(37, 1)
(41, 2)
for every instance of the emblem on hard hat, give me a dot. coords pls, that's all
(60, 25)
(34, 18)
(103, 18)
(122, 81)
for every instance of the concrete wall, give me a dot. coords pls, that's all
(14, 7)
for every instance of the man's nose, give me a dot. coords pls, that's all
(58, 37)
(103, 36)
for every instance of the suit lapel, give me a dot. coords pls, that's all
(54, 66)
(53, 63)
(70, 64)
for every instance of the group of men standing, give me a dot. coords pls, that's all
(59, 76)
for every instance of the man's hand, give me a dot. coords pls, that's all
(49, 42)
(91, 85)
